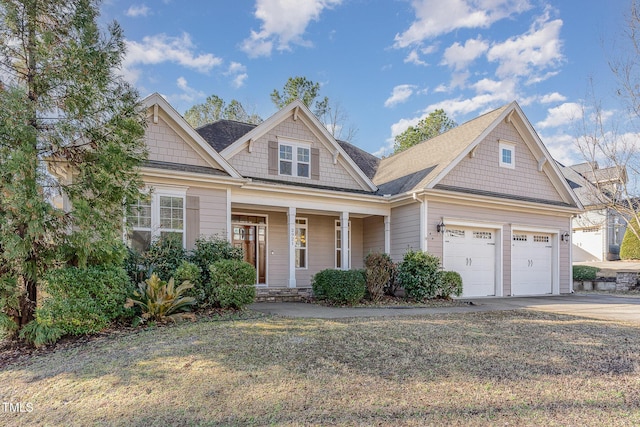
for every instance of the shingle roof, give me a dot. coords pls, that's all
(586, 192)
(181, 167)
(367, 162)
(435, 154)
(223, 133)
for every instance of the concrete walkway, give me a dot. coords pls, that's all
(595, 306)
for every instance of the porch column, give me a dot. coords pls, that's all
(387, 234)
(291, 222)
(344, 244)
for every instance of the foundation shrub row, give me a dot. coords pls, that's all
(419, 273)
(165, 283)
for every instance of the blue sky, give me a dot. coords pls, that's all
(386, 63)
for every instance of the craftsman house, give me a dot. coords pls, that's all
(598, 231)
(486, 197)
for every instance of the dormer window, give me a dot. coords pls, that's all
(507, 155)
(294, 160)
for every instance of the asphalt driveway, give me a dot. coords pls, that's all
(595, 306)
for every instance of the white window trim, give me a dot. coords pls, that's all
(294, 157)
(506, 145)
(155, 229)
(306, 247)
(335, 243)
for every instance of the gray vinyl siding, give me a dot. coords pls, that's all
(405, 230)
(373, 234)
(213, 211)
(357, 248)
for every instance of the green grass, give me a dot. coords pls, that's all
(497, 368)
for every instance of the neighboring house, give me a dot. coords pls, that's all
(486, 197)
(598, 231)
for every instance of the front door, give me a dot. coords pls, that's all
(252, 239)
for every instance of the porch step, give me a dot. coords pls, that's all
(283, 294)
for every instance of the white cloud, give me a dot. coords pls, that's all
(530, 53)
(399, 95)
(562, 148)
(137, 10)
(414, 58)
(437, 17)
(459, 57)
(188, 93)
(238, 72)
(162, 48)
(503, 90)
(552, 97)
(561, 115)
(283, 23)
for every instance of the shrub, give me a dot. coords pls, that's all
(451, 284)
(189, 272)
(630, 246)
(9, 305)
(135, 266)
(39, 333)
(164, 256)
(161, 301)
(231, 283)
(83, 300)
(211, 249)
(378, 273)
(419, 275)
(584, 272)
(79, 250)
(339, 286)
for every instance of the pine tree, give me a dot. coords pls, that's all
(66, 112)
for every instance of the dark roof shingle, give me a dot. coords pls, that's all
(223, 133)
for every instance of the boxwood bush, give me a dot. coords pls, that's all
(84, 300)
(584, 272)
(419, 275)
(208, 250)
(231, 284)
(630, 246)
(339, 286)
(451, 284)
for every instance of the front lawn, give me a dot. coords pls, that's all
(497, 368)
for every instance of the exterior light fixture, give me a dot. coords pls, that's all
(565, 236)
(440, 228)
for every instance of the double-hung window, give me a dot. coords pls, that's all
(160, 214)
(171, 216)
(140, 222)
(294, 159)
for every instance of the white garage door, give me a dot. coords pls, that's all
(531, 268)
(472, 253)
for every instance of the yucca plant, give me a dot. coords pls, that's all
(162, 301)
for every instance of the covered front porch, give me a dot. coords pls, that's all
(288, 245)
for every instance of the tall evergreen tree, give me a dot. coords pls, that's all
(214, 108)
(305, 90)
(66, 109)
(434, 124)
